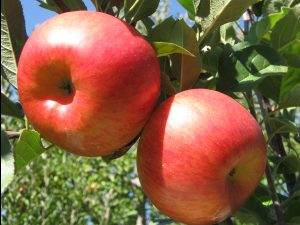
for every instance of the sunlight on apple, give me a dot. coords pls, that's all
(50, 104)
(71, 37)
(179, 115)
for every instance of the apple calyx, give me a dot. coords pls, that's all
(232, 172)
(67, 87)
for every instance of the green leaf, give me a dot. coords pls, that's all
(254, 208)
(165, 48)
(273, 6)
(28, 147)
(163, 31)
(257, 8)
(9, 108)
(212, 14)
(105, 4)
(138, 9)
(291, 53)
(294, 221)
(210, 58)
(286, 30)
(71, 4)
(229, 34)
(7, 162)
(242, 67)
(168, 88)
(8, 60)
(261, 27)
(283, 125)
(262, 193)
(288, 164)
(291, 210)
(270, 87)
(186, 68)
(290, 89)
(188, 5)
(144, 26)
(13, 13)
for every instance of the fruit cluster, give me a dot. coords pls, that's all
(89, 83)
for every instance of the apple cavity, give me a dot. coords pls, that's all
(88, 82)
(200, 156)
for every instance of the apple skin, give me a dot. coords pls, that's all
(200, 156)
(88, 82)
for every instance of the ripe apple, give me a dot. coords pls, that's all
(200, 156)
(88, 82)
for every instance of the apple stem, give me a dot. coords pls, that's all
(26, 123)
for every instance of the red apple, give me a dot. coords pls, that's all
(200, 156)
(88, 82)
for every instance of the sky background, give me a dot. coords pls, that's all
(34, 14)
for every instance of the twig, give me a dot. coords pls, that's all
(239, 26)
(62, 6)
(249, 99)
(251, 15)
(274, 196)
(276, 142)
(13, 134)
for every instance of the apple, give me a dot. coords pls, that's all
(88, 82)
(200, 156)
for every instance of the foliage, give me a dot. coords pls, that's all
(214, 49)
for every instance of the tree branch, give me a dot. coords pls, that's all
(13, 134)
(62, 6)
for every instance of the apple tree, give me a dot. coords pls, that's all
(247, 49)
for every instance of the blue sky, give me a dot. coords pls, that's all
(34, 14)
